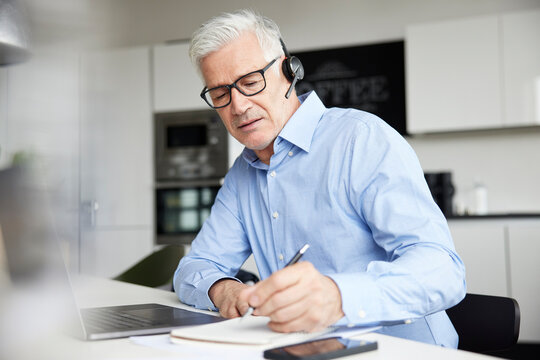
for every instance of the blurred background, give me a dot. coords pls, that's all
(101, 95)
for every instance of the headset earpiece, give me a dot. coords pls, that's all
(292, 69)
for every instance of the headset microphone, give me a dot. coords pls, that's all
(292, 69)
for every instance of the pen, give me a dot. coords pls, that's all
(293, 261)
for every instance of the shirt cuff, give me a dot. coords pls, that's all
(359, 295)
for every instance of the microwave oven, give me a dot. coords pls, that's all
(190, 145)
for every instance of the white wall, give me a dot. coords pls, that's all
(305, 24)
(507, 162)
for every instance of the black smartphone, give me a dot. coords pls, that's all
(329, 348)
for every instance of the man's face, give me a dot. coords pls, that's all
(255, 121)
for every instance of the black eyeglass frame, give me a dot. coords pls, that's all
(233, 85)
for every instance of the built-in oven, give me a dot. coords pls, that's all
(191, 160)
(182, 208)
(190, 145)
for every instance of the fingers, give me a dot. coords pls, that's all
(307, 322)
(229, 311)
(225, 296)
(282, 300)
(309, 313)
(279, 281)
(296, 298)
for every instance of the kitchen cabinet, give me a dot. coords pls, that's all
(116, 177)
(524, 247)
(452, 75)
(521, 67)
(176, 83)
(500, 257)
(482, 250)
(474, 73)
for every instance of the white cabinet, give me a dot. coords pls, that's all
(453, 80)
(482, 249)
(501, 258)
(116, 160)
(475, 73)
(525, 276)
(521, 67)
(176, 83)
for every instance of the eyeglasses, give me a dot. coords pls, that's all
(248, 85)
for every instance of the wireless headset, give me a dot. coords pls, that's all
(292, 69)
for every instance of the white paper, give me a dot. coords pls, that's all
(252, 330)
(198, 350)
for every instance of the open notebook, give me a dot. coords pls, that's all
(252, 330)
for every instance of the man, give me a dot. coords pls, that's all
(340, 180)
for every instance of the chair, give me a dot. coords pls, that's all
(155, 270)
(486, 324)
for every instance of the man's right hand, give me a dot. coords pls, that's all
(224, 294)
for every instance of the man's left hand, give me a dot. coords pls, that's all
(296, 298)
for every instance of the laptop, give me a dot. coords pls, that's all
(33, 255)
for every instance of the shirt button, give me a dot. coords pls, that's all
(290, 153)
(280, 257)
(362, 314)
(275, 215)
(273, 174)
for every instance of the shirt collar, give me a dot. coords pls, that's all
(301, 126)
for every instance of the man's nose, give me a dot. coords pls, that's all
(239, 102)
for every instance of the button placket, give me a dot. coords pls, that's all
(274, 212)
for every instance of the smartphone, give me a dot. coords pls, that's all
(329, 348)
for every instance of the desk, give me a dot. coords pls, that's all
(104, 292)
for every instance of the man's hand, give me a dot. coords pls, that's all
(296, 298)
(225, 296)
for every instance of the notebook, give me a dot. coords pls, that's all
(251, 330)
(33, 255)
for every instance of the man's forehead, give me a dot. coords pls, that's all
(232, 61)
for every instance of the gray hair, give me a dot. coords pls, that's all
(224, 28)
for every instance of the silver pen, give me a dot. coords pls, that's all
(293, 261)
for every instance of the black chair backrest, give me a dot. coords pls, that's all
(486, 323)
(156, 269)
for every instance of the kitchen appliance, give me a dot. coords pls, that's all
(191, 160)
(190, 145)
(442, 190)
(182, 208)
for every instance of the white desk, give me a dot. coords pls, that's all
(102, 292)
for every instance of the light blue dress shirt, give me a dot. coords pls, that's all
(351, 187)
